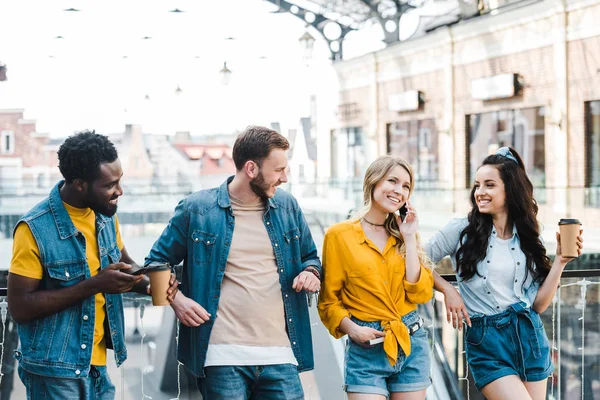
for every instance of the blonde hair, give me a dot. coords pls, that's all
(378, 171)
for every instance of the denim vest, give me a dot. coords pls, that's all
(60, 345)
(475, 293)
(199, 234)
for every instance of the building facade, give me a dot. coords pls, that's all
(526, 77)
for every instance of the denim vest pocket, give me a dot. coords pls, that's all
(292, 238)
(65, 275)
(204, 246)
(476, 334)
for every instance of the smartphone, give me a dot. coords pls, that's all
(151, 267)
(403, 211)
(376, 341)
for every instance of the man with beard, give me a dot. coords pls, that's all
(249, 262)
(68, 270)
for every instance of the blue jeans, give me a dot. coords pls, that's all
(367, 370)
(96, 386)
(265, 382)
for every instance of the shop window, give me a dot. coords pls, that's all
(522, 129)
(416, 142)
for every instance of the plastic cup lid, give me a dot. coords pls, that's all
(569, 221)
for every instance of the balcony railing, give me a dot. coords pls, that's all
(153, 372)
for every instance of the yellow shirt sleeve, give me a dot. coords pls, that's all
(26, 259)
(331, 309)
(421, 291)
(118, 233)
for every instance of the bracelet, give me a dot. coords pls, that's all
(314, 271)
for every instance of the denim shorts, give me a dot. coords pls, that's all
(96, 386)
(367, 370)
(513, 342)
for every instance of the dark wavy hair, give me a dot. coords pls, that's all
(522, 211)
(80, 155)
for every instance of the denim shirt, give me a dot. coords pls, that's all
(199, 234)
(60, 345)
(475, 292)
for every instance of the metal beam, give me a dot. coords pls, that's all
(318, 24)
(401, 8)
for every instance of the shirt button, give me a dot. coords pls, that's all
(485, 277)
(281, 270)
(290, 320)
(83, 346)
(275, 244)
(491, 245)
(268, 223)
(497, 306)
(489, 292)
(516, 280)
(512, 248)
(85, 317)
(67, 274)
(296, 236)
(382, 261)
(77, 372)
(286, 295)
(208, 242)
(196, 240)
(488, 261)
(294, 343)
(518, 263)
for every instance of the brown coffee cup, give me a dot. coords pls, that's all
(159, 285)
(569, 230)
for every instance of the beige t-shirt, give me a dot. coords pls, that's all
(250, 326)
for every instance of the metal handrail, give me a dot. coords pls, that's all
(575, 273)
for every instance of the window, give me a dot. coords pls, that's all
(521, 129)
(7, 142)
(592, 143)
(416, 142)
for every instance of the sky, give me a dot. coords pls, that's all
(98, 74)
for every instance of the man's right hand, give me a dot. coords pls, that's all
(188, 311)
(112, 280)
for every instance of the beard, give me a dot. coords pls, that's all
(98, 207)
(259, 186)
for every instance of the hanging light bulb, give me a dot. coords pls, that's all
(225, 74)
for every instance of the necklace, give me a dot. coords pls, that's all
(370, 223)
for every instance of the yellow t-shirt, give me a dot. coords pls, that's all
(369, 284)
(26, 262)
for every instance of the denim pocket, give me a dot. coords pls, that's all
(64, 275)
(476, 334)
(292, 238)
(204, 246)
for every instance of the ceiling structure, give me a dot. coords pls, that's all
(334, 19)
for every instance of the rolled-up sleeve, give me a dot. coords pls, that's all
(171, 246)
(331, 309)
(421, 291)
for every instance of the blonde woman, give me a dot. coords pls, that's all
(375, 274)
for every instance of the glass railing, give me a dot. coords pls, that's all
(152, 371)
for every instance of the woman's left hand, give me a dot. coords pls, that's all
(564, 260)
(410, 225)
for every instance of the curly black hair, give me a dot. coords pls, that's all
(80, 155)
(522, 212)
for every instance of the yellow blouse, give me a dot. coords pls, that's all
(362, 281)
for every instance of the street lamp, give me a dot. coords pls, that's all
(225, 74)
(307, 41)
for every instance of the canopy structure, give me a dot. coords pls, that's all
(334, 19)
